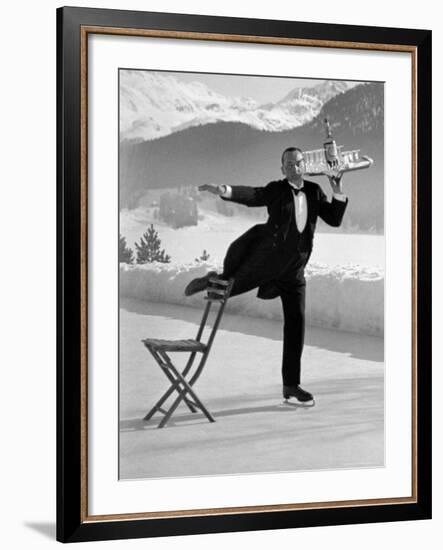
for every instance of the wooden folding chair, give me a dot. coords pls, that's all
(182, 382)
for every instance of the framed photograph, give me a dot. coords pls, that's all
(244, 274)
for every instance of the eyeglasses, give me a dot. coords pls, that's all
(292, 163)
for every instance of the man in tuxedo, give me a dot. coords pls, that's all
(273, 256)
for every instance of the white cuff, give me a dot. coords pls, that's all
(227, 193)
(340, 197)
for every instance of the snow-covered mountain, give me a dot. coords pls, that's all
(153, 105)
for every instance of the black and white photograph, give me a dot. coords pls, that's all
(219, 229)
(251, 274)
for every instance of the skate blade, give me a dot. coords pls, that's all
(303, 404)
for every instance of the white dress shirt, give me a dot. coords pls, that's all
(300, 207)
(300, 204)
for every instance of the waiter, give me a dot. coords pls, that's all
(273, 256)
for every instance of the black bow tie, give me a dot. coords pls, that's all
(295, 190)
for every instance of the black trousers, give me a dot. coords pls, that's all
(293, 299)
(252, 263)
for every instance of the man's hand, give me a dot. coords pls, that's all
(214, 189)
(335, 182)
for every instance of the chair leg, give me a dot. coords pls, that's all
(176, 403)
(199, 403)
(188, 390)
(170, 411)
(179, 385)
(165, 396)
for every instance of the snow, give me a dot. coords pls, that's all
(345, 274)
(349, 298)
(215, 232)
(154, 104)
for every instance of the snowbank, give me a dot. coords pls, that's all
(344, 297)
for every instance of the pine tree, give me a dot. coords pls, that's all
(148, 250)
(125, 254)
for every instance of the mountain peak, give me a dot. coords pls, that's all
(323, 91)
(155, 104)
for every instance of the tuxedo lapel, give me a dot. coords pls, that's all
(309, 199)
(287, 209)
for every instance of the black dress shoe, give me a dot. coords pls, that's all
(199, 284)
(300, 394)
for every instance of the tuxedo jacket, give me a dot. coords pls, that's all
(269, 241)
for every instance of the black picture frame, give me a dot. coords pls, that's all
(73, 522)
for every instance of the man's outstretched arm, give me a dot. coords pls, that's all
(242, 194)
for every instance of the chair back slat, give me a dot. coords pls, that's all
(217, 293)
(218, 282)
(203, 321)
